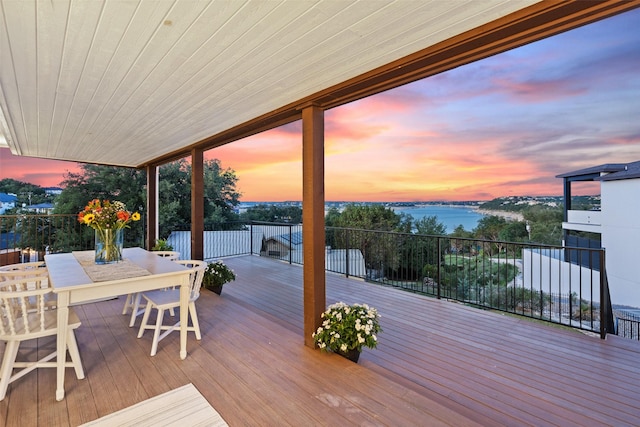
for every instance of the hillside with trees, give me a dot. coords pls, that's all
(27, 194)
(524, 203)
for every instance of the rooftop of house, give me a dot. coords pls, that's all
(593, 171)
(605, 172)
(40, 206)
(630, 171)
(8, 198)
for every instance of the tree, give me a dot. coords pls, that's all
(546, 233)
(489, 227)
(174, 203)
(422, 254)
(544, 214)
(220, 196)
(369, 217)
(129, 186)
(430, 225)
(126, 185)
(460, 240)
(546, 224)
(102, 182)
(332, 217)
(514, 231)
(381, 251)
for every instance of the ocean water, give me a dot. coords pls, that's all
(450, 216)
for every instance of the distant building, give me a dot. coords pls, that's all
(53, 190)
(41, 208)
(279, 246)
(617, 224)
(8, 255)
(7, 201)
(288, 246)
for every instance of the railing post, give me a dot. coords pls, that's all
(603, 302)
(346, 260)
(606, 312)
(251, 238)
(438, 267)
(290, 245)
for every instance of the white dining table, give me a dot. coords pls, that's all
(73, 285)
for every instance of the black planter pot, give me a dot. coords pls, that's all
(215, 288)
(352, 355)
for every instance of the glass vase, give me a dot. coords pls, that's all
(109, 246)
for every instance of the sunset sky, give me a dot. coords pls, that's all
(503, 126)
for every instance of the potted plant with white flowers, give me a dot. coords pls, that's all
(346, 329)
(216, 275)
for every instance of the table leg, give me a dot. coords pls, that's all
(184, 315)
(61, 342)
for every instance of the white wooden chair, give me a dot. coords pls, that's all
(133, 300)
(169, 299)
(37, 274)
(24, 316)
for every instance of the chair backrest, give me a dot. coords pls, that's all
(24, 270)
(171, 255)
(23, 308)
(197, 274)
(35, 273)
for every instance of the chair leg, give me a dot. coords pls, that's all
(72, 346)
(10, 354)
(127, 303)
(194, 319)
(156, 333)
(145, 319)
(135, 302)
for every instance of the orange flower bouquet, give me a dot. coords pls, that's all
(108, 219)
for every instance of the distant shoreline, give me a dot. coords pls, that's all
(513, 216)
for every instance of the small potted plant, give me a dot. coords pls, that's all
(216, 275)
(162, 245)
(346, 329)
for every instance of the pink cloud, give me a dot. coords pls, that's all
(538, 90)
(42, 172)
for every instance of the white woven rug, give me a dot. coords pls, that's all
(184, 407)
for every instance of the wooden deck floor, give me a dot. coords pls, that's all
(437, 363)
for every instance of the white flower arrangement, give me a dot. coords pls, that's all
(217, 274)
(348, 327)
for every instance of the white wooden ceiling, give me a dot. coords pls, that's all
(122, 82)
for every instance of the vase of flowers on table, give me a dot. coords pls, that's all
(108, 219)
(346, 329)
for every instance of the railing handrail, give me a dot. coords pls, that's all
(469, 239)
